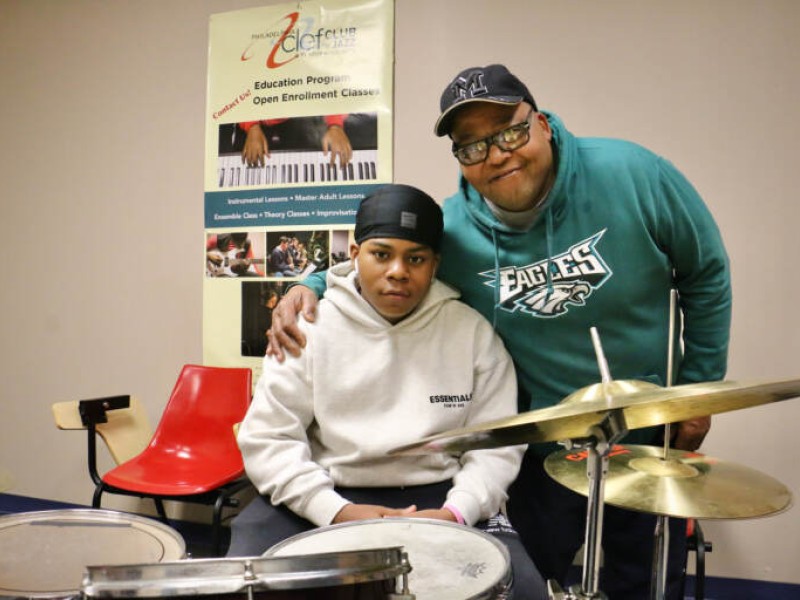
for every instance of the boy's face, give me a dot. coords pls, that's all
(394, 274)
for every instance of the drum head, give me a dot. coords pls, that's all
(45, 553)
(447, 560)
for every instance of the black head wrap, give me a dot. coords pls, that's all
(400, 211)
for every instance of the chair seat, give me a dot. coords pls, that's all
(165, 476)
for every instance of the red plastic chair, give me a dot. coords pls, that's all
(193, 455)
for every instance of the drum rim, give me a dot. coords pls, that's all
(390, 520)
(235, 574)
(102, 514)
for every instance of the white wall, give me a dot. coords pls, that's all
(101, 120)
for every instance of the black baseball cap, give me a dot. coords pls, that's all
(400, 211)
(493, 83)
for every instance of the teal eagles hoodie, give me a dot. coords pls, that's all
(620, 228)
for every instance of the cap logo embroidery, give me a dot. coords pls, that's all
(408, 220)
(470, 86)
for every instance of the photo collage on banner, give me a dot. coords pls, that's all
(298, 131)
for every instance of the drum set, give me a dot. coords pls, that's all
(659, 481)
(104, 554)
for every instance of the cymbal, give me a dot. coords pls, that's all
(685, 484)
(642, 404)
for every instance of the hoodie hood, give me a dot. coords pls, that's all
(343, 293)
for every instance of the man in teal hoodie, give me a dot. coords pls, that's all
(547, 236)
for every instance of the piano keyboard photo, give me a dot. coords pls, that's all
(296, 167)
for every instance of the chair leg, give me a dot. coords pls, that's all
(98, 493)
(224, 499)
(216, 525)
(160, 508)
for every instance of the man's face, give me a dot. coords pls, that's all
(394, 274)
(514, 180)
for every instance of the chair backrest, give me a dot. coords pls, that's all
(204, 405)
(126, 431)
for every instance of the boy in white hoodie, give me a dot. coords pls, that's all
(391, 358)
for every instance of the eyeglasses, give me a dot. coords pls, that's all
(508, 139)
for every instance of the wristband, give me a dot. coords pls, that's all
(456, 513)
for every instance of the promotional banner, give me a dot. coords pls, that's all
(298, 131)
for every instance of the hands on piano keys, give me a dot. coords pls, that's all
(296, 167)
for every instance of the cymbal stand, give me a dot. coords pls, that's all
(658, 581)
(598, 443)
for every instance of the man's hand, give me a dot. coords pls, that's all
(690, 434)
(360, 512)
(256, 147)
(284, 334)
(337, 143)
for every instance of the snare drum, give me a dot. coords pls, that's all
(354, 575)
(45, 553)
(447, 560)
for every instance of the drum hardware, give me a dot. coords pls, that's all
(658, 580)
(249, 578)
(598, 446)
(404, 593)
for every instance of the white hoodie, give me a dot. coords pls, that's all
(362, 387)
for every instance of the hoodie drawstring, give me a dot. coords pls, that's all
(548, 264)
(548, 219)
(496, 279)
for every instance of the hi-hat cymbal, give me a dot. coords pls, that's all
(642, 404)
(685, 484)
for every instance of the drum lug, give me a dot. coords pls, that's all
(404, 593)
